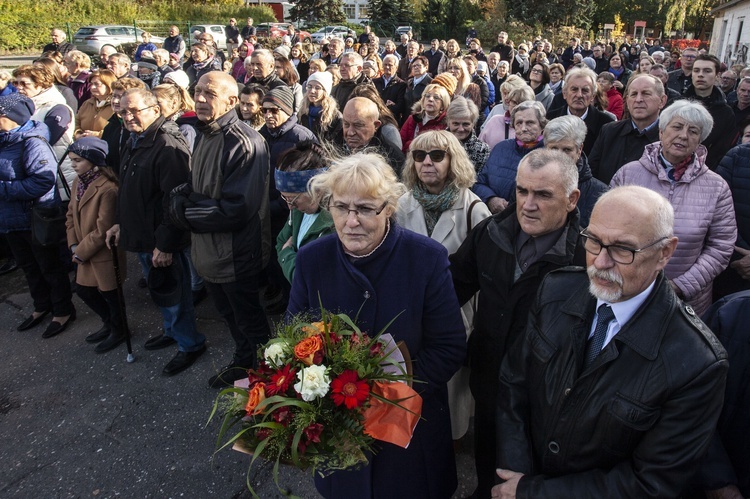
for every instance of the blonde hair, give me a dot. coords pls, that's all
(445, 98)
(175, 93)
(461, 171)
(464, 78)
(363, 173)
(329, 106)
(82, 60)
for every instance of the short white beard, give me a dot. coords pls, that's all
(608, 295)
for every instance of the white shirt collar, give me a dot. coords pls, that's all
(582, 117)
(624, 310)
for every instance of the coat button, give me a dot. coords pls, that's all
(689, 310)
(553, 447)
(367, 295)
(566, 392)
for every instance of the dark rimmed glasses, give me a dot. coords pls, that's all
(619, 254)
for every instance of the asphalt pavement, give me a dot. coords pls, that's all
(74, 423)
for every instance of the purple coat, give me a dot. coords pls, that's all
(408, 275)
(704, 220)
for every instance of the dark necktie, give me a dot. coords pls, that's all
(595, 344)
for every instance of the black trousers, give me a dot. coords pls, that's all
(45, 271)
(239, 304)
(105, 304)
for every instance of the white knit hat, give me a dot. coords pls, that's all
(179, 78)
(324, 78)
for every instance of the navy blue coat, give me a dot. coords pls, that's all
(735, 169)
(498, 177)
(408, 275)
(28, 170)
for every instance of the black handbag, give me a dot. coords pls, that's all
(48, 222)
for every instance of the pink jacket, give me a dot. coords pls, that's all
(704, 220)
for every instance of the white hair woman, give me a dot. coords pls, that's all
(675, 167)
(462, 117)
(374, 268)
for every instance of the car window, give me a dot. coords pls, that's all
(217, 29)
(85, 32)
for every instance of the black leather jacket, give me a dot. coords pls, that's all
(635, 423)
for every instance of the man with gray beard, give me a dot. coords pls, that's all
(615, 387)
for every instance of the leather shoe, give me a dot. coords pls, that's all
(56, 328)
(159, 342)
(8, 266)
(99, 335)
(32, 321)
(113, 340)
(182, 361)
(227, 376)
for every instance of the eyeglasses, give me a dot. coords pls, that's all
(20, 83)
(272, 110)
(133, 112)
(620, 254)
(341, 210)
(537, 71)
(689, 56)
(436, 156)
(291, 202)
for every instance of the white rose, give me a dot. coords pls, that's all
(275, 353)
(313, 382)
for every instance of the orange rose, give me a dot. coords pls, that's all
(256, 395)
(317, 328)
(306, 349)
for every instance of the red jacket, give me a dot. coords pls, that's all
(414, 127)
(615, 105)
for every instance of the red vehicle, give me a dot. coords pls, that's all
(277, 30)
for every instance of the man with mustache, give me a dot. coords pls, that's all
(506, 256)
(616, 385)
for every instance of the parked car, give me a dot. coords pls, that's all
(403, 30)
(274, 30)
(329, 32)
(217, 30)
(90, 39)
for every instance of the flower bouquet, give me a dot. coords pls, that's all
(322, 394)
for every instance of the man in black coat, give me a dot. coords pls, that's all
(434, 56)
(351, 76)
(502, 48)
(616, 384)
(248, 30)
(579, 91)
(392, 89)
(719, 141)
(58, 43)
(155, 161)
(233, 35)
(681, 79)
(506, 257)
(624, 141)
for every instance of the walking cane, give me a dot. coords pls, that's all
(121, 299)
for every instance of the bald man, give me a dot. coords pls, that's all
(226, 209)
(361, 120)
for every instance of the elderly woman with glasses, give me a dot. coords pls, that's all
(429, 114)
(307, 220)
(705, 225)
(377, 270)
(440, 205)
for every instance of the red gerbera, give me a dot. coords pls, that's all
(349, 389)
(280, 380)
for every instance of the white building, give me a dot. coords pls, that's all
(356, 11)
(730, 39)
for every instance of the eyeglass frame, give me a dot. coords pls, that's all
(602, 246)
(356, 210)
(291, 202)
(125, 112)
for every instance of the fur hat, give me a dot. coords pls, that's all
(324, 79)
(447, 81)
(281, 97)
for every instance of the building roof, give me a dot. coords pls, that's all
(726, 5)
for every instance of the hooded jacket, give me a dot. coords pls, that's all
(704, 220)
(720, 140)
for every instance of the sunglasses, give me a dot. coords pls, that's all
(436, 155)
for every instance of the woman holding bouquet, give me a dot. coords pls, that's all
(376, 270)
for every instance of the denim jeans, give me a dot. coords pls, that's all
(179, 320)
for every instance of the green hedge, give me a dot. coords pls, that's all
(25, 24)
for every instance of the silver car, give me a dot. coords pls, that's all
(216, 30)
(90, 39)
(329, 32)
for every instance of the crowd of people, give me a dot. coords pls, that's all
(548, 227)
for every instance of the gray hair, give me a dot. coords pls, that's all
(503, 63)
(353, 58)
(540, 158)
(391, 57)
(461, 107)
(536, 106)
(579, 72)
(691, 111)
(162, 54)
(565, 128)
(265, 55)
